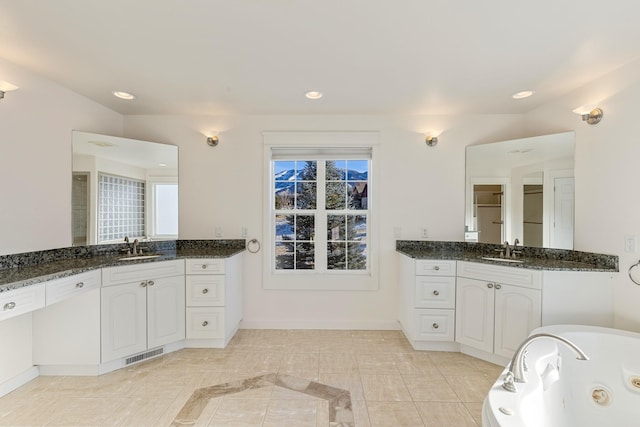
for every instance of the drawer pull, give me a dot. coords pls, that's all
(489, 285)
(80, 285)
(205, 291)
(204, 266)
(436, 293)
(435, 326)
(10, 305)
(205, 323)
(436, 268)
(498, 286)
(150, 282)
(143, 284)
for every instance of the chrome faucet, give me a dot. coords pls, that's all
(135, 247)
(507, 250)
(515, 251)
(518, 365)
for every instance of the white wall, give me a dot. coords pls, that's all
(35, 165)
(607, 174)
(419, 187)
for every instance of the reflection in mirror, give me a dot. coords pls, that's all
(123, 187)
(521, 189)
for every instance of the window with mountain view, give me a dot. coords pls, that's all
(321, 211)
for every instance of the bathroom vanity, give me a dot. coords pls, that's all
(93, 315)
(452, 298)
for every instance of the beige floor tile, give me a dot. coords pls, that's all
(296, 362)
(430, 389)
(441, 414)
(393, 414)
(350, 382)
(475, 409)
(240, 413)
(297, 413)
(360, 413)
(338, 363)
(470, 388)
(384, 388)
(390, 384)
(416, 363)
(377, 363)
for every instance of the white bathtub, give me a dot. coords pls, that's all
(562, 391)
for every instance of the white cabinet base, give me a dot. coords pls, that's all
(483, 355)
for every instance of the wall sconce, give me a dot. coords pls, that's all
(213, 140)
(6, 87)
(431, 141)
(590, 114)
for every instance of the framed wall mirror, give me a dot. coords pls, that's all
(123, 187)
(521, 189)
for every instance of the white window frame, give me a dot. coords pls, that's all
(326, 146)
(150, 219)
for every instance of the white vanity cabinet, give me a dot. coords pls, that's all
(214, 300)
(142, 307)
(22, 300)
(497, 308)
(427, 303)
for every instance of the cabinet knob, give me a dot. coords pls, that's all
(205, 291)
(498, 286)
(150, 282)
(436, 268)
(205, 323)
(143, 284)
(489, 285)
(80, 285)
(204, 266)
(10, 305)
(436, 293)
(435, 326)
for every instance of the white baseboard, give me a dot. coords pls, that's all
(320, 324)
(19, 380)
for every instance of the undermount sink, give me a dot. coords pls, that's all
(138, 257)
(488, 258)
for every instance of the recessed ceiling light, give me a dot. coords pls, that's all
(313, 94)
(523, 94)
(124, 95)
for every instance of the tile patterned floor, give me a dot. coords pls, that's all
(389, 384)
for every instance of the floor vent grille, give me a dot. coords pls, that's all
(142, 356)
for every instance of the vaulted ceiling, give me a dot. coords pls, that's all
(366, 56)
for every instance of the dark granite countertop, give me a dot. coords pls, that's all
(20, 270)
(533, 258)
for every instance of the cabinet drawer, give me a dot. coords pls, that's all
(435, 292)
(67, 287)
(22, 300)
(435, 268)
(139, 272)
(205, 266)
(434, 325)
(498, 274)
(205, 291)
(205, 322)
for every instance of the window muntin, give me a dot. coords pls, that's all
(300, 207)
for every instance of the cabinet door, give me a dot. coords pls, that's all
(124, 320)
(517, 312)
(165, 310)
(474, 313)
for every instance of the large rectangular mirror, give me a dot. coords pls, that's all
(521, 189)
(123, 187)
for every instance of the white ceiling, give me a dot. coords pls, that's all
(366, 56)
